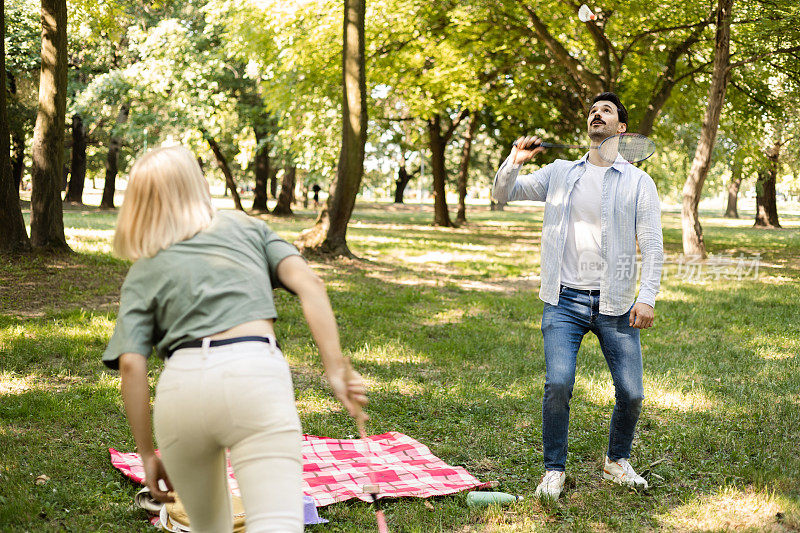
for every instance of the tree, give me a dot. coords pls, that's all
(13, 237)
(112, 159)
(23, 60)
(328, 236)
(78, 162)
(766, 201)
(438, 137)
(463, 170)
(692, 230)
(262, 170)
(733, 186)
(403, 178)
(283, 208)
(222, 162)
(644, 65)
(775, 37)
(47, 223)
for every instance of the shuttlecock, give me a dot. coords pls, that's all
(585, 14)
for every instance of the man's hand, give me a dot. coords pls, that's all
(524, 149)
(642, 316)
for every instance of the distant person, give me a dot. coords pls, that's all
(200, 292)
(316, 188)
(595, 214)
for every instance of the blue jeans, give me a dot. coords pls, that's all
(563, 328)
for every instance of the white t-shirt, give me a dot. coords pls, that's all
(582, 266)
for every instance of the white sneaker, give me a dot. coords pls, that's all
(623, 473)
(552, 484)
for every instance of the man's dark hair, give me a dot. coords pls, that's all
(622, 113)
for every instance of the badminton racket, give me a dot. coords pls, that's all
(372, 489)
(632, 147)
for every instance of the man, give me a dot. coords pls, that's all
(595, 214)
(316, 188)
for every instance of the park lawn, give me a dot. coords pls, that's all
(444, 325)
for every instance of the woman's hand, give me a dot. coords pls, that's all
(154, 472)
(136, 397)
(348, 387)
(345, 382)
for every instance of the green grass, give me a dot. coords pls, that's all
(444, 324)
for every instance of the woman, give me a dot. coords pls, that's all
(200, 293)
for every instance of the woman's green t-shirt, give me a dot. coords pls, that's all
(220, 278)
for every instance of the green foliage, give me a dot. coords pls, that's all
(23, 43)
(229, 67)
(294, 51)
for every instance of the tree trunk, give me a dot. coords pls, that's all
(273, 182)
(78, 163)
(732, 210)
(47, 219)
(262, 172)
(328, 236)
(222, 162)
(13, 236)
(463, 170)
(112, 162)
(284, 206)
(18, 166)
(400, 184)
(437, 144)
(693, 244)
(766, 202)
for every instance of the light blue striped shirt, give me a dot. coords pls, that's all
(630, 213)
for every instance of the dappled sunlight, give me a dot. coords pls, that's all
(600, 391)
(440, 277)
(94, 326)
(733, 509)
(778, 279)
(376, 239)
(684, 402)
(780, 345)
(404, 386)
(12, 384)
(449, 316)
(316, 402)
(90, 240)
(388, 352)
(772, 354)
(441, 257)
(476, 386)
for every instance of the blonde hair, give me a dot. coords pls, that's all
(167, 201)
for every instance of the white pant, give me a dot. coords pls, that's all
(237, 396)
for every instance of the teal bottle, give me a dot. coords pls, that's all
(485, 498)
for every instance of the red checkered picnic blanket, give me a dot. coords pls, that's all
(335, 470)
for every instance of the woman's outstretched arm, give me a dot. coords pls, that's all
(347, 385)
(136, 397)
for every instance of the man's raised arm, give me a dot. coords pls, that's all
(509, 185)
